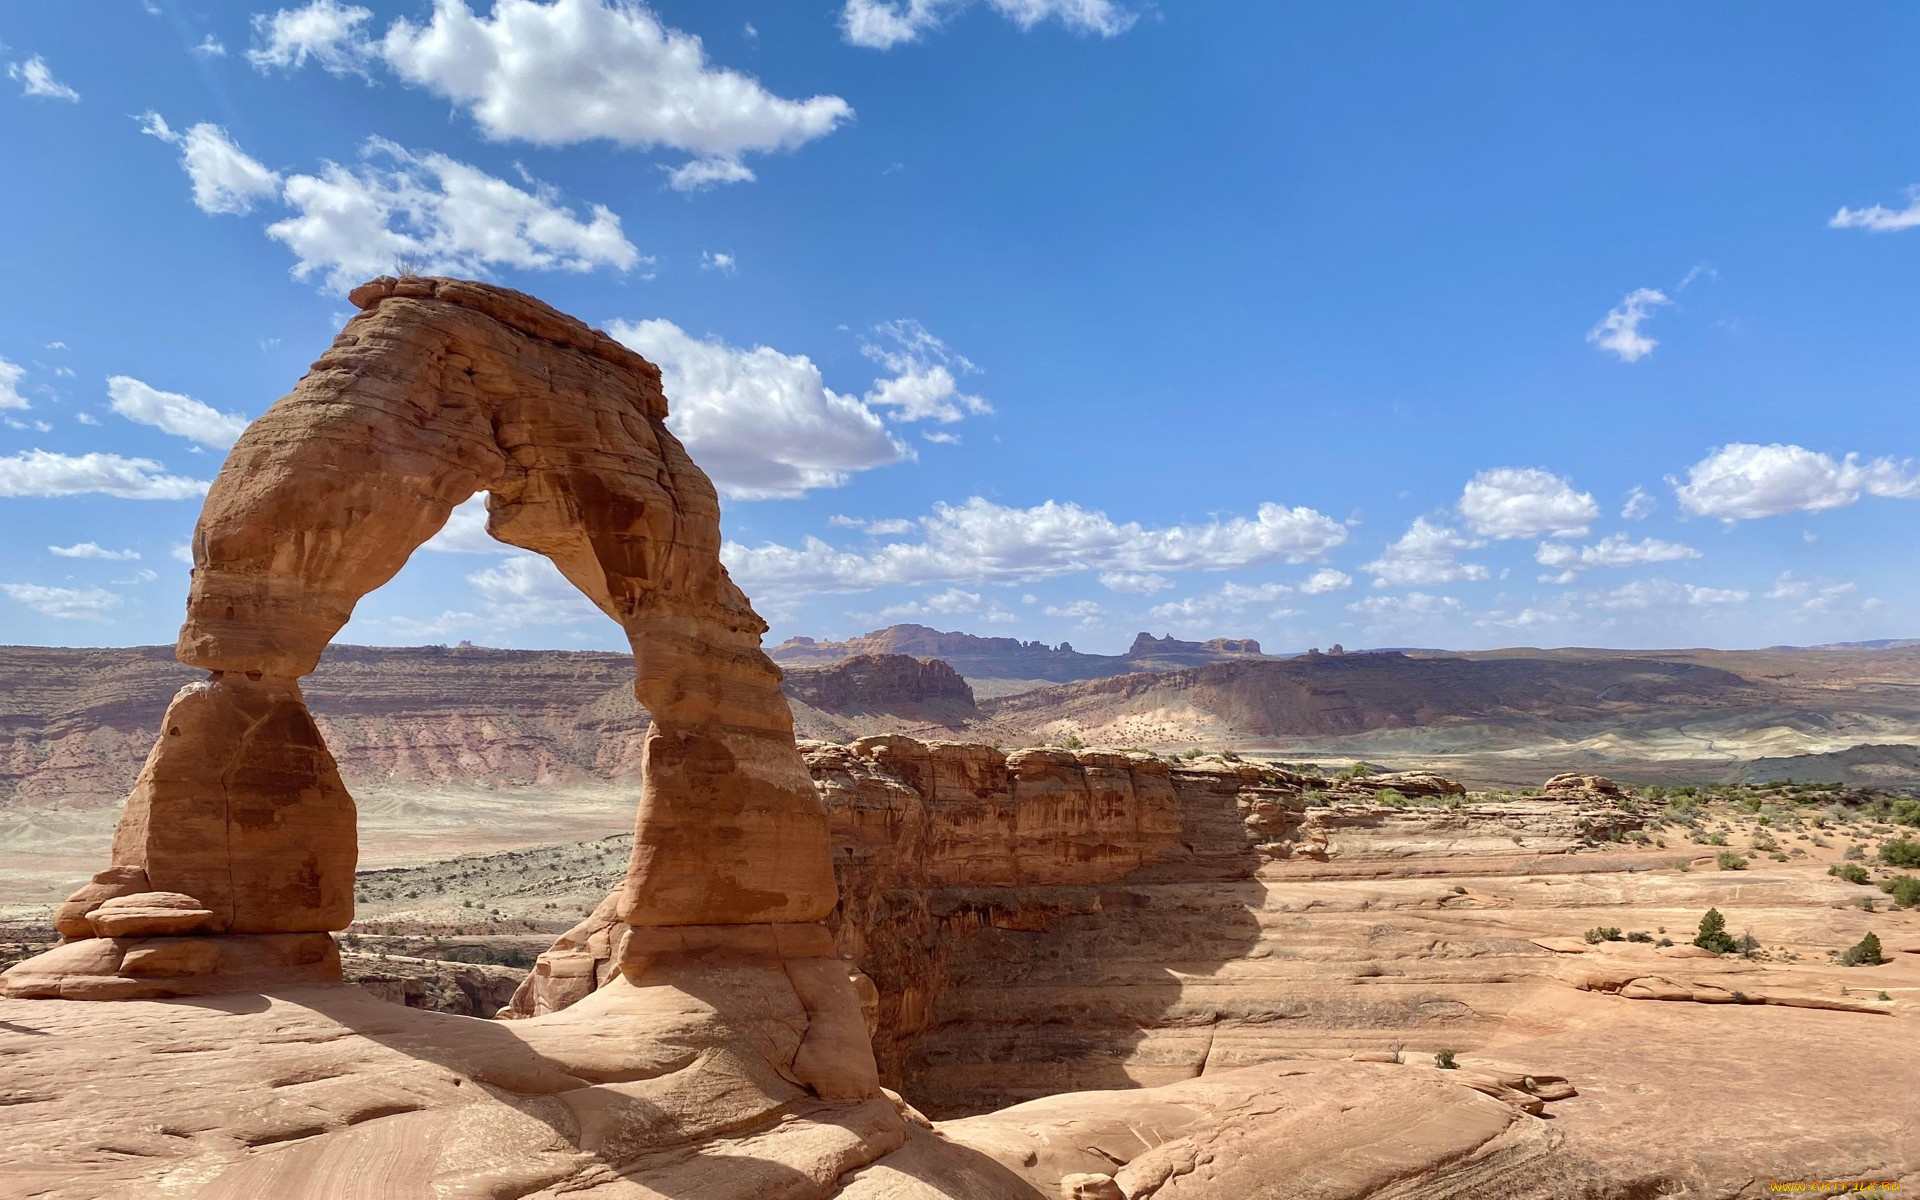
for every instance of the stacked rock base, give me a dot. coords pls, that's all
(156, 968)
(123, 941)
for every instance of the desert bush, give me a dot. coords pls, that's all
(1713, 933)
(1851, 872)
(1906, 812)
(1603, 933)
(1444, 1060)
(1900, 853)
(1639, 935)
(1904, 889)
(1854, 853)
(1729, 861)
(1358, 770)
(1316, 798)
(1665, 941)
(1072, 742)
(1864, 953)
(1390, 797)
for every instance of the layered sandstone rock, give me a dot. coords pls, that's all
(1049, 920)
(437, 390)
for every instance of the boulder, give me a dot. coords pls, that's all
(144, 914)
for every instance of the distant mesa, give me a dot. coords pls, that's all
(991, 659)
(1864, 765)
(901, 691)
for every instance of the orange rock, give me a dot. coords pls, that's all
(70, 919)
(438, 390)
(146, 913)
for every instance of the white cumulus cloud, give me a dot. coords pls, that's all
(1614, 550)
(180, 415)
(225, 178)
(1411, 609)
(466, 531)
(880, 24)
(1525, 502)
(760, 423)
(1879, 218)
(1743, 481)
(44, 473)
(325, 32)
(72, 604)
(1087, 612)
(92, 550)
(1231, 598)
(10, 376)
(1618, 332)
(980, 541)
(923, 386)
(704, 174)
(1663, 593)
(1812, 595)
(561, 73)
(1639, 506)
(355, 222)
(1424, 557)
(1326, 580)
(36, 79)
(1136, 583)
(884, 527)
(527, 589)
(950, 603)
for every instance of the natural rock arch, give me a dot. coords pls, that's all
(438, 389)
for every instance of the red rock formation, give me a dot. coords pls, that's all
(437, 390)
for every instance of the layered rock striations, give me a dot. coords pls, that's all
(1049, 920)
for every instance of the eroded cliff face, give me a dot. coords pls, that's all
(1049, 920)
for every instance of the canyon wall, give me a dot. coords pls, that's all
(1049, 920)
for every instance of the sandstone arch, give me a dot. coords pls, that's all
(438, 389)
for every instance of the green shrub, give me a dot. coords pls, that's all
(1865, 953)
(1854, 853)
(1906, 812)
(1444, 1059)
(1316, 798)
(1900, 853)
(1713, 934)
(1851, 872)
(1603, 933)
(1904, 889)
(1639, 936)
(1665, 941)
(1358, 770)
(1729, 861)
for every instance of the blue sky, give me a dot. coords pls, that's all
(1058, 319)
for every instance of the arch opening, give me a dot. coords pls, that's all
(239, 829)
